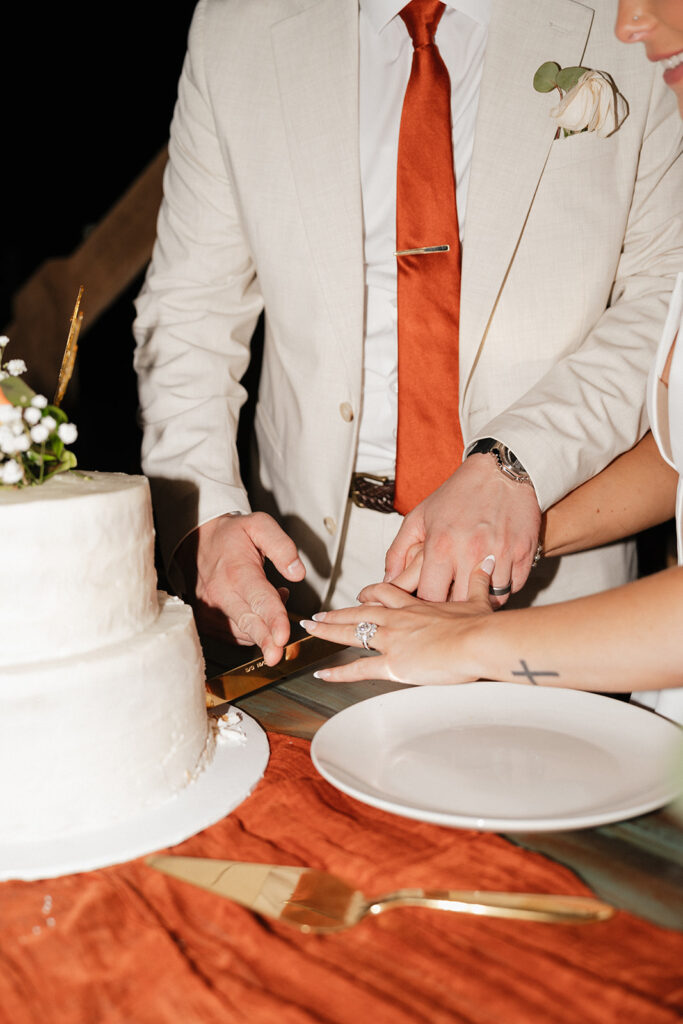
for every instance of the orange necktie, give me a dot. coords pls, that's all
(429, 439)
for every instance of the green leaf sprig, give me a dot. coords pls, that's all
(551, 76)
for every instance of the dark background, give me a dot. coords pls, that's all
(87, 97)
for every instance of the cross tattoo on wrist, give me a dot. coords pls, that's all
(531, 675)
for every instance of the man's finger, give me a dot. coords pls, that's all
(262, 615)
(388, 594)
(274, 544)
(410, 577)
(437, 575)
(410, 534)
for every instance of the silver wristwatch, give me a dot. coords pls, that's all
(508, 463)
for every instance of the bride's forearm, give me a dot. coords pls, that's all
(636, 491)
(626, 639)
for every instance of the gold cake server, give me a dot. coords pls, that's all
(316, 901)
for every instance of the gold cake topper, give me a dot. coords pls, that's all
(69, 357)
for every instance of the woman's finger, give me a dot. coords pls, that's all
(481, 580)
(348, 634)
(353, 671)
(499, 574)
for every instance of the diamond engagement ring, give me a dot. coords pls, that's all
(365, 631)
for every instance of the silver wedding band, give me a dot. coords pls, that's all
(365, 631)
(500, 591)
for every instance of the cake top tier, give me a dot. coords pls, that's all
(78, 557)
(75, 485)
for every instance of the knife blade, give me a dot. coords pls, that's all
(303, 651)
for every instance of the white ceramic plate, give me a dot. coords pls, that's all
(499, 757)
(227, 781)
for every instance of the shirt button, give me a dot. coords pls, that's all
(346, 412)
(394, 387)
(330, 524)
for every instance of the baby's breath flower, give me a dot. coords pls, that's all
(67, 432)
(8, 442)
(22, 443)
(31, 415)
(15, 367)
(32, 442)
(11, 472)
(39, 433)
(9, 414)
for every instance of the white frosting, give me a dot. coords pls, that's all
(102, 701)
(77, 557)
(95, 738)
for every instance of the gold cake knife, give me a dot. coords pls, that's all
(302, 652)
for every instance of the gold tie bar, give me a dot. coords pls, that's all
(424, 249)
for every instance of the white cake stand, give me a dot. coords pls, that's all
(232, 774)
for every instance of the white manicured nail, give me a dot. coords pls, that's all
(319, 616)
(488, 565)
(308, 625)
(322, 673)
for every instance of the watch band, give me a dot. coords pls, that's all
(508, 463)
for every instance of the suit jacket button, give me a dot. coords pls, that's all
(346, 412)
(330, 524)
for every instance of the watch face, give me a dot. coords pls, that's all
(511, 459)
(508, 462)
(511, 466)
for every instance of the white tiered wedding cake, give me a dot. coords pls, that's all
(102, 705)
(106, 752)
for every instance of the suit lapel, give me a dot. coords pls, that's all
(512, 141)
(315, 45)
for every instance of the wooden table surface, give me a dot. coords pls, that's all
(637, 865)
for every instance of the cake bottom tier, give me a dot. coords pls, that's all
(90, 740)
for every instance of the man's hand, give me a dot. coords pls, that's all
(475, 513)
(222, 562)
(417, 641)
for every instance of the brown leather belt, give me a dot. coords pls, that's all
(374, 492)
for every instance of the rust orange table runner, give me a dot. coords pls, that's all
(126, 945)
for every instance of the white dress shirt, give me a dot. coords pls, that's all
(386, 54)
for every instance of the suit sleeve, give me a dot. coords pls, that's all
(590, 406)
(195, 318)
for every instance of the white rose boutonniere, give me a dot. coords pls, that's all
(589, 100)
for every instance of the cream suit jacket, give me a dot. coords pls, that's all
(570, 251)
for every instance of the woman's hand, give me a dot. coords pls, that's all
(416, 641)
